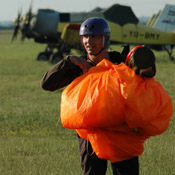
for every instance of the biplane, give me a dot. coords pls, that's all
(60, 31)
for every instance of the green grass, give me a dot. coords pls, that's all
(33, 142)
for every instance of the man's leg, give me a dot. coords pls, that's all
(127, 167)
(90, 163)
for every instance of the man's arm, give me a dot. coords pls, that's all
(64, 72)
(60, 75)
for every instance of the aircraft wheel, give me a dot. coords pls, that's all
(55, 58)
(43, 56)
(171, 58)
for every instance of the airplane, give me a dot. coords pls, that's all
(165, 21)
(60, 31)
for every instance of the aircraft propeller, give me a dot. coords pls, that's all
(26, 24)
(17, 25)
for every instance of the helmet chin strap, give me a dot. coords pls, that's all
(103, 41)
(99, 52)
(96, 55)
(88, 55)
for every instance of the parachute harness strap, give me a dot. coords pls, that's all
(87, 148)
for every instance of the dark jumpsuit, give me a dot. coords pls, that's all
(59, 76)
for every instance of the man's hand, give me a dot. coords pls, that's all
(81, 62)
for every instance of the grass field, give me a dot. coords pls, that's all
(33, 142)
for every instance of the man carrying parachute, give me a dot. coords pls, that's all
(110, 106)
(118, 120)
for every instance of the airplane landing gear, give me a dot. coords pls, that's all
(43, 56)
(171, 58)
(170, 51)
(55, 58)
(63, 50)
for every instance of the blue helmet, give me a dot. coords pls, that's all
(96, 26)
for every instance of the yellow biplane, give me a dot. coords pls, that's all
(61, 30)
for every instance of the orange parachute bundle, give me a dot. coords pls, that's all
(91, 99)
(148, 107)
(115, 109)
(109, 95)
(114, 144)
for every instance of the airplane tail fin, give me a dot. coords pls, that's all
(164, 20)
(153, 19)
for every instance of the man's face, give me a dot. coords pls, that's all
(93, 44)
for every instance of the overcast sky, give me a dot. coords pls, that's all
(9, 8)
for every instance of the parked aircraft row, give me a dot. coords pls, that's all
(60, 31)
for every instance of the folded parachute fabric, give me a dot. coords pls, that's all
(114, 144)
(148, 107)
(115, 109)
(110, 95)
(93, 100)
